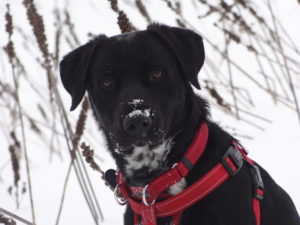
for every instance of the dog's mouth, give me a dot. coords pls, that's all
(137, 124)
(128, 150)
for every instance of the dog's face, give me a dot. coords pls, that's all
(136, 81)
(137, 85)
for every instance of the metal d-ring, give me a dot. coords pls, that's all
(120, 199)
(175, 164)
(144, 197)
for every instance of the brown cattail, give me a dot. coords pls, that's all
(220, 101)
(114, 5)
(10, 50)
(123, 21)
(15, 140)
(37, 23)
(88, 154)
(15, 163)
(6, 221)
(180, 23)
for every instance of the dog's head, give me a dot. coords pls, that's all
(137, 83)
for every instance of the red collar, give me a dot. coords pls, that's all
(149, 210)
(180, 170)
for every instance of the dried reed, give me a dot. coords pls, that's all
(141, 7)
(9, 30)
(6, 221)
(14, 154)
(10, 221)
(37, 23)
(88, 154)
(75, 140)
(80, 125)
(123, 21)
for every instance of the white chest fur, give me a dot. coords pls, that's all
(145, 157)
(152, 159)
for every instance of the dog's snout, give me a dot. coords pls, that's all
(138, 125)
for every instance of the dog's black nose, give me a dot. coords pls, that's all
(138, 125)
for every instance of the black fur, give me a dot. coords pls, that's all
(119, 69)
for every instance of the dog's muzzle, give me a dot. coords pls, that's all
(138, 125)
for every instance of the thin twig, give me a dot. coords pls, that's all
(9, 29)
(230, 76)
(285, 61)
(16, 217)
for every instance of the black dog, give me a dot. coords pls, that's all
(139, 87)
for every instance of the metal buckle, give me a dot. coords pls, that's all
(144, 193)
(236, 157)
(240, 147)
(257, 182)
(118, 196)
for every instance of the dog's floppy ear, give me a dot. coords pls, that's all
(74, 69)
(187, 47)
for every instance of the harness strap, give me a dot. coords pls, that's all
(175, 219)
(176, 204)
(173, 206)
(258, 185)
(256, 210)
(181, 169)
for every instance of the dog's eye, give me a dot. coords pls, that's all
(107, 83)
(156, 75)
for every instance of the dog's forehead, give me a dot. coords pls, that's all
(132, 47)
(133, 41)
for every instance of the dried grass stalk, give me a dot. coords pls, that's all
(141, 7)
(14, 152)
(80, 125)
(88, 154)
(6, 221)
(9, 30)
(14, 156)
(10, 50)
(123, 21)
(10, 221)
(70, 25)
(37, 23)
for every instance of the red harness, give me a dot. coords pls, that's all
(142, 200)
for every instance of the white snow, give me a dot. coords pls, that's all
(277, 148)
(138, 112)
(136, 102)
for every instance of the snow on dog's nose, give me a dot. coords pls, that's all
(137, 123)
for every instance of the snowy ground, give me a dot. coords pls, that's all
(277, 148)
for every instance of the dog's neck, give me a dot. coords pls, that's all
(144, 164)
